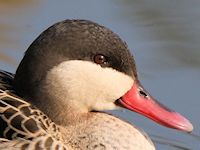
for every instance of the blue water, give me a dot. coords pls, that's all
(163, 36)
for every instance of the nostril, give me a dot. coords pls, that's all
(142, 93)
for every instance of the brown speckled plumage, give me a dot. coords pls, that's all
(21, 124)
(102, 131)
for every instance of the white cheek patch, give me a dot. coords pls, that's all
(86, 85)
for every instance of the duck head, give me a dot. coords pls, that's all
(80, 66)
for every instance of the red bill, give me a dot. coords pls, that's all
(138, 100)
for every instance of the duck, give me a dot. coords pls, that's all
(69, 77)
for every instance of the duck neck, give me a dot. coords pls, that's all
(59, 112)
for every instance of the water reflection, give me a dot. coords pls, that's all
(163, 34)
(12, 12)
(172, 26)
(170, 142)
(16, 3)
(8, 59)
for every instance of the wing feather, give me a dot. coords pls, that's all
(23, 126)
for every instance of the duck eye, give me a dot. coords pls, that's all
(100, 59)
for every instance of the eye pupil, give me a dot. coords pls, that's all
(100, 59)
